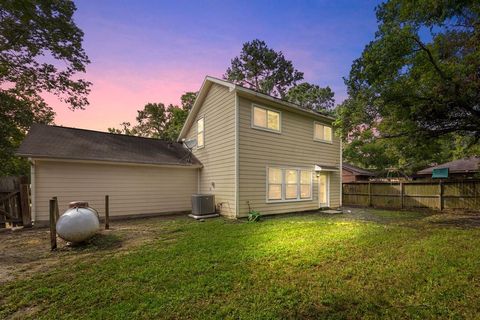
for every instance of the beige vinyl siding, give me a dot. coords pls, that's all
(133, 189)
(294, 147)
(218, 153)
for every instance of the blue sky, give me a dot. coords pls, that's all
(153, 51)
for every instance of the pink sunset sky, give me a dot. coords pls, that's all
(144, 51)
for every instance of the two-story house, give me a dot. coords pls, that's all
(262, 153)
(251, 150)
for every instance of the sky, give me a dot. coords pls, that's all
(154, 51)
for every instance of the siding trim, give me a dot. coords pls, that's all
(341, 175)
(33, 189)
(237, 169)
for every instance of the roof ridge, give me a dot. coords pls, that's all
(276, 98)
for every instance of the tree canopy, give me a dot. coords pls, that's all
(263, 69)
(156, 120)
(416, 86)
(40, 52)
(313, 97)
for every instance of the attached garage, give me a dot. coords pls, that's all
(141, 176)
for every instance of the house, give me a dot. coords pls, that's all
(251, 150)
(351, 173)
(466, 168)
(262, 153)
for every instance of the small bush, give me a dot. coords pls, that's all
(254, 216)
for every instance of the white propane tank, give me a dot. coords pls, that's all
(78, 224)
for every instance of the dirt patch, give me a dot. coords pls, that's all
(24, 252)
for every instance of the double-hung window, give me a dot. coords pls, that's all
(322, 132)
(288, 184)
(275, 183)
(201, 133)
(266, 119)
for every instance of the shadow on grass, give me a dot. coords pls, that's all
(99, 242)
(464, 222)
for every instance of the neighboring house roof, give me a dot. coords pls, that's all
(458, 166)
(209, 81)
(356, 170)
(56, 142)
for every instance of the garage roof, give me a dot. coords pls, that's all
(56, 142)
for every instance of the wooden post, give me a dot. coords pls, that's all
(107, 213)
(57, 212)
(369, 194)
(440, 196)
(25, 206)
(53, 227)
(402, 191)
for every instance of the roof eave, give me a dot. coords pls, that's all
(48, 157)
(284, 103)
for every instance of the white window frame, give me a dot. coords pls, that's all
(203, 132)
(279, 131)
(315, 123)
(284, 184)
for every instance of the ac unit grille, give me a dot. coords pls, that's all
(203, 204)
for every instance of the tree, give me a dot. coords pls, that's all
(418, 79)
(187, 100)
(263, 69)
(151, 122)
(311, 96)
(156, 120)
(32, 33)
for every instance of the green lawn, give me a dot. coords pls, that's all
(305, 266)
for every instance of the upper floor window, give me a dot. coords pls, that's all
(322, 132)
(200, 133)
(267, 119)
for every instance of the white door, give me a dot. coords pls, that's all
(323, 190)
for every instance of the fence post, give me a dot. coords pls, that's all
(440, 195)
(401, 195)
(107, 213)
(53, 227)
(369, 194)
(25, 206)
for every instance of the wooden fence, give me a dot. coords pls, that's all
(462, 194)
(14, 202)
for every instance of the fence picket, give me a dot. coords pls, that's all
(456, 194)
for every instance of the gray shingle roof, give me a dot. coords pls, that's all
(357, 170)
(79, 144)
(458, 166)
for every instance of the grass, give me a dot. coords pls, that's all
(307, 266)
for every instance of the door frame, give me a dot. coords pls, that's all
(327, 175)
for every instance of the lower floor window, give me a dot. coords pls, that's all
(288, 184)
